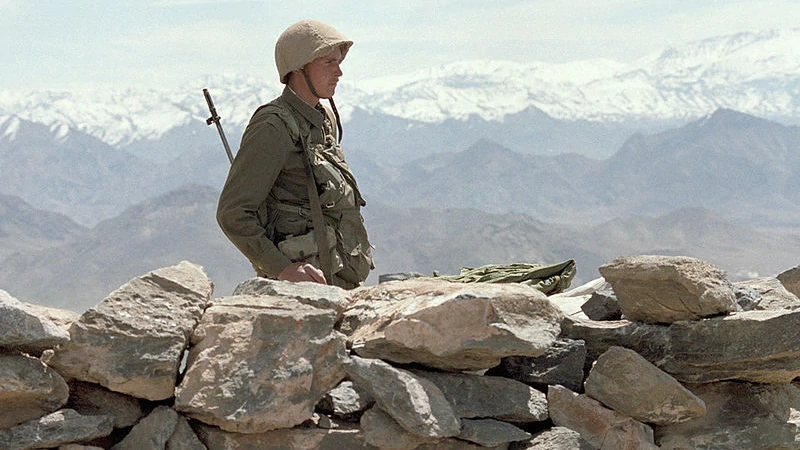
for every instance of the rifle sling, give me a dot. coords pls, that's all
(318, 222)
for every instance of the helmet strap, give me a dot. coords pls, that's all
(330, 100)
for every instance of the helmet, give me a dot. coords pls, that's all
(304, 42)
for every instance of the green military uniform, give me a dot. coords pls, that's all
(265, 201)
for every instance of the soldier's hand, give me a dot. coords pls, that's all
(300, 271)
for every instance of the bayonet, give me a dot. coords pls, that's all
(215, 120)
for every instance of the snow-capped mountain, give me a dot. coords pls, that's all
(755, 73)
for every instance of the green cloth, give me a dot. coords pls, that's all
(548, 278)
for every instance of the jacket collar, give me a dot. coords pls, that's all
(308, 112)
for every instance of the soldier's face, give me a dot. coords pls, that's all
(324, 73)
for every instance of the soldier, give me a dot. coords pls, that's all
(289, 187)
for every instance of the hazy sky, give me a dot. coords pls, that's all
(66, 44)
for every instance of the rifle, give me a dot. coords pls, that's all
(215, 120)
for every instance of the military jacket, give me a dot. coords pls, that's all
(265, 203)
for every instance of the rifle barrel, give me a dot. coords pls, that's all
(215, 119)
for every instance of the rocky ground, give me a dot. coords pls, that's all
(662, 352)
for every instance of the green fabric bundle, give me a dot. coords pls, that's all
(548, 278)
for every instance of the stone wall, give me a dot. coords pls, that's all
(660, 352)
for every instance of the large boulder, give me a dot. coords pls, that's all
(134, 340)
(452, 326)
(258, 363)
(28, 390)
(630, 385)
(665, 289)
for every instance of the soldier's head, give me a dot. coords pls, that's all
(311, 50)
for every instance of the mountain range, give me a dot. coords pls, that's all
(754, 73)
(693, 151)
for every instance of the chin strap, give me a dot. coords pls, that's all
(330, 100)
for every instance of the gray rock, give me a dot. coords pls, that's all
(490, 432)
(771, 294)
(649, 340)
(747, 298)
(416, 403)
(791, 280)
(630, 385)
(94, 400)
(601, 427)
(184, 437)
(563, 363)
(79, 447)
(61, 427)
(260, 363)
(398, 276)
(312, 294)
(152, 432)
(458, 444)
(755, 346)
(739, 416)
(477, 396)
(26, 329)
(346, 401)
(665, 289)
(134, 340)
(382, 431)
(602, 305)
(28, 390)
(63, 318)
(454, 326)
(556, 438)
(284, 439)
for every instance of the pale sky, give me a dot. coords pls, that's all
(65, 44)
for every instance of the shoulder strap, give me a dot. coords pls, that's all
(288, 119)
(317, 219)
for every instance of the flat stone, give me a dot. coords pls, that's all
(666, 289)
(755, 346)
(61, 427)
(452, 326)
(312, 294)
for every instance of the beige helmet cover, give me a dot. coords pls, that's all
(304, 42)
